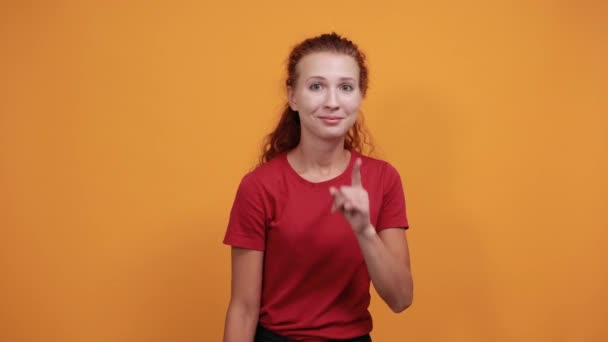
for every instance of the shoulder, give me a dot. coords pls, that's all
(264, 175)
(376, 167)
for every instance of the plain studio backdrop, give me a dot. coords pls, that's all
(126, 126)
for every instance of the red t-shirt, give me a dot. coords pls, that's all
(315, 284)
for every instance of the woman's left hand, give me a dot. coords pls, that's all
(353, 201)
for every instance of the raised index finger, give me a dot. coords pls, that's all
(356, 177)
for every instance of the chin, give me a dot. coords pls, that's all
(333, 135)
(329, 133)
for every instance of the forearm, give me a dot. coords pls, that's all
(241, 324)
(392, 279)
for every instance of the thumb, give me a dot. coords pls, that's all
(356, 177)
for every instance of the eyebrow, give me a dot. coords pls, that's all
(323, 78)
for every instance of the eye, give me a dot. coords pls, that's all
(347, 87)
(315, 86)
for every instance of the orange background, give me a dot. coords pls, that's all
(126, 127)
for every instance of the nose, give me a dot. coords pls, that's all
(331, 100)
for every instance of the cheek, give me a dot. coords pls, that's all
(309, 102)
(352, 105)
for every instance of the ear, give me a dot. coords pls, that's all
(291, 99)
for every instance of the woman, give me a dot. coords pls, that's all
(317, 220)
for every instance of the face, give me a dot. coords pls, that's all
(326, 95)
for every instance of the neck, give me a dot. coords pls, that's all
(320, 156)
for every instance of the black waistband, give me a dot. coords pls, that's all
(264, 335)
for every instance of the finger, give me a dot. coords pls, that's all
(356, 177)
(333, 192)
(339, 201)
(337, 205)
(353, 196)
(348, 194)
(348, 206)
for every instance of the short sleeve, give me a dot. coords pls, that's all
(392, 211)
(247, 223)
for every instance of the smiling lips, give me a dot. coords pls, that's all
(331, 120)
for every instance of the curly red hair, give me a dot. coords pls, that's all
(286, 135)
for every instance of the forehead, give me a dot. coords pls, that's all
(328, 65)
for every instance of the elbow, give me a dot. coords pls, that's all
(399, 305)
(404, 299)
(245, 309)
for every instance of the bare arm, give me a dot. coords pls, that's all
(386, 253)
(388, 263)
(245, 293)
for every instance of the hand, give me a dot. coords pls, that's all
(353, 201)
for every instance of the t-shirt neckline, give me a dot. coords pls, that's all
(345, 174)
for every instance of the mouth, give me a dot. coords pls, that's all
(331, 120)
